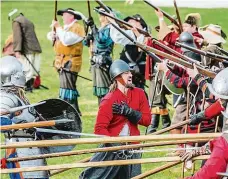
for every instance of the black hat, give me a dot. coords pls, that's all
(138, 18)
(99, 7)
(76, 14)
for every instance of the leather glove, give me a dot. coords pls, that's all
(123, 109)
(197, 118)
(88, 38)
(90, 22)
(205, 150)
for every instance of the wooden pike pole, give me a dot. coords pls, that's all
(32, 124)
(156, 170)
(93, 164)
(65, 142)
(166, 166)
(170, 127)
(55, 172)
(104, 149)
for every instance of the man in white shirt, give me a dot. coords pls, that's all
(68, 48)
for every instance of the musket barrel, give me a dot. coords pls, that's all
(121, 22)
(186, 58)
(178, 60)
(201, 52)
(165, 13)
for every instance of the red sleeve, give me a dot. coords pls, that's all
(177, 81)
(214, 110)
(149, 63)
(217, 161)
(145, 110)
(197, 34)
(180, 71)
(149, 60)
(104, 117)
(171, 39)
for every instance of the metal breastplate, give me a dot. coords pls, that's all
(22, 152)
(9, 100)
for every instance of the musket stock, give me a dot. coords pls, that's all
(215, 56)
(174, 52)
(178, 60)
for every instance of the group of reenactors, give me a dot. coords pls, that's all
(120, 84)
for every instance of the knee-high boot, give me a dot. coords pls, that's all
(165, 121)
(154, 123)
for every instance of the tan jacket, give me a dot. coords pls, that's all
(24, 36)
(70, 57)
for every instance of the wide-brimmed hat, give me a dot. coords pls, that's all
(196, 16)
(13, 14)
(138, 18)
(212, 34)
(77, 15)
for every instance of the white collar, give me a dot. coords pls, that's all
(66, 27)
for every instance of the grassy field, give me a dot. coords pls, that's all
(41, 13)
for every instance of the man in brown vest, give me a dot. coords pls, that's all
(68, 48)
(25, 46)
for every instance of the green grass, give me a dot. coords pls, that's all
(41, 13)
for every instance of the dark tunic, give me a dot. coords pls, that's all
(101, 60)
(24, 36)
(136, 60)
(111, 124)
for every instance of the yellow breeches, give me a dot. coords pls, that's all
(157, 110)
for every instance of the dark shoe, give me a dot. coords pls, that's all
(29, 85)
(154, 124)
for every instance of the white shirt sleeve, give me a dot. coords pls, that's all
(140, 39)
(67, 37)
(119, 38)
(50, 35)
